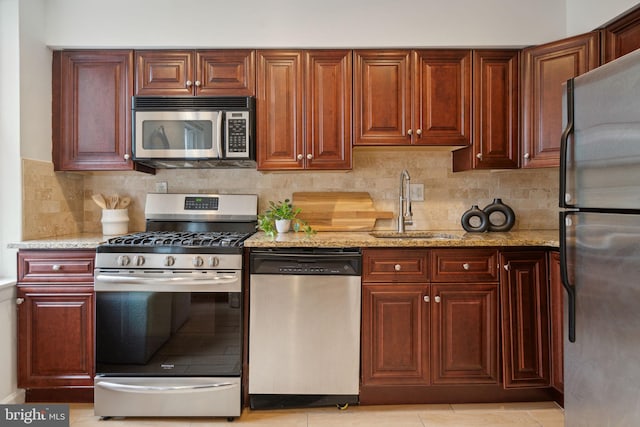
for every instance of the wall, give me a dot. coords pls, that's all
(287, 23)
(586, 15)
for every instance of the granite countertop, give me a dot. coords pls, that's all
(450, 238)
(340, 239)
(75, 241)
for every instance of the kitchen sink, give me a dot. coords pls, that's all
(414, 235)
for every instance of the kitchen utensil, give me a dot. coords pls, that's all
(124, 202)
(338, 211)
(113, 201)
(99, 200)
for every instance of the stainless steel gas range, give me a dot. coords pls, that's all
(169, 309)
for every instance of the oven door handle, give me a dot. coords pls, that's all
(109, 282)
(160, 389)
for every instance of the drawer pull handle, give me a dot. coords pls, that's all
(56, 267)
(466, 266)
(397, 267)
(426, 298)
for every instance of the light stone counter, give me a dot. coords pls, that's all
(76, 241)
(457, 238)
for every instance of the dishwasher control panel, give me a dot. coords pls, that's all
(307, 261)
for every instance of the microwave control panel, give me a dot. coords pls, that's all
(237, 134)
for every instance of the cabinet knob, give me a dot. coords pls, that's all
(56, 267)
(419, 131)
(189, 83)
(426, 298)
(309, 156)
(410, 132)
(397, 267)
(19, 301)
(300, 156)
(479, 156)
(507, 267)
(127, 156)
(526, 156)
(466, 266)
(198, 84)
(437, 298)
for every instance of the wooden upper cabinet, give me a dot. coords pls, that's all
(442, 97)
(404, 97)
(304, 109)
(382, 97)
(195, 72)
(91, 109)
(496, 98)
(622, 35)
(545, 69)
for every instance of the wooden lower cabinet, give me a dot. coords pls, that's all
(525, 326)
(464, 333)
(55, 325)
(556, 315)
(395, 334)
(453, 326)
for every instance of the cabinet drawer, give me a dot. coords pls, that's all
(62, 266)
(464, 265)
(395, 265)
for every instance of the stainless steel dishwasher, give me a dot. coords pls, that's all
(304, 327)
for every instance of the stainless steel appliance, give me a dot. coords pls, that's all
(304, 327)
(600, 244)
(169, 309)
(194, 131)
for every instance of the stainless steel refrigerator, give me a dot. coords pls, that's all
(600, 244)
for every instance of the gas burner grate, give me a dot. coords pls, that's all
(182, 239)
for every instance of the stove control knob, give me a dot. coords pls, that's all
(214, 261)
(169, 261)
(198, 261)
(123, 260)
(138, 260)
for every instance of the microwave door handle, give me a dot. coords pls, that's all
(219, 135)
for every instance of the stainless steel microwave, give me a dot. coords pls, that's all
(194, 131)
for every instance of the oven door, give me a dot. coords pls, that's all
(168, 324)
(177, 135)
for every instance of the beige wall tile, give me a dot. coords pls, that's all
(531, 193)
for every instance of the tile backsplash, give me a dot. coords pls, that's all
(58, 203)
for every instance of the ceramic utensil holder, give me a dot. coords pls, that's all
(115, 222)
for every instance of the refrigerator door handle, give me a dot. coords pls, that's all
(569, 287)
(564, 146)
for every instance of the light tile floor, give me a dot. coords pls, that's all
(546, 414)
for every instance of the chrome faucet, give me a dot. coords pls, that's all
(405, 216)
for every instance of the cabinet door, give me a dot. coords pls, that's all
(525, 326)
(55, 336)
(164, 72)
(495, 113)
(395, 334)
(545, 69)
(382, 97)
(556, 302)
(225, 72)
(442, 97)
(622, 36)
(92, 110)
(464, 331)
(328, 83)
(279, 110)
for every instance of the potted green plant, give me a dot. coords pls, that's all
(280, 217)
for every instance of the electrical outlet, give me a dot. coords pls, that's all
(162, 187)
(417, 192)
